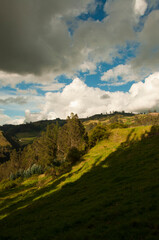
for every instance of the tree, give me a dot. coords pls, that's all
(72, 134)
(43, 150)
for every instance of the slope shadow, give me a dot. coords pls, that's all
(115, 202)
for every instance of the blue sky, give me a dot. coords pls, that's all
(87, 57)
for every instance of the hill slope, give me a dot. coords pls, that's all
(26, 133)
(3, 141)
(5, 148)
(112, 194)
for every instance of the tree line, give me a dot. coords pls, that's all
(56, 150)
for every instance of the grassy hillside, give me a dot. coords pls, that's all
(3, 141)
(5, 148)
(26, 133)
(112, 194)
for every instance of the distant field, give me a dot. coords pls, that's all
(27, 140)
(112, 194)
(26, 137)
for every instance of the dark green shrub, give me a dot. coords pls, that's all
(73, 155)
(12, 176)
(27, 173)
(99, 133)
(118, 125)
(154, 130)
(36, 169)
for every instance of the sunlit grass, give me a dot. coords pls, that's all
(95, 156)
(112, 190)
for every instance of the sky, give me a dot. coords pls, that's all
(81, 56)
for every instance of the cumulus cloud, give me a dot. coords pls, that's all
(33, 117)
(88, 66)
(15, 102)
(86, 101)
(140, 7)
(144, 96)
(16, 120)
(5, 119)
(120, 75)
(41, 40)
(100, 40)
(13, 79)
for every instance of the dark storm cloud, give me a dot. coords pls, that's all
(34, 36)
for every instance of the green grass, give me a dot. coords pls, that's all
(112, 194)
(3, 141)
(27, 140)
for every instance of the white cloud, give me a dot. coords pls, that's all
(120, 75)
(88, 66)
(47, 50)
(140, 7)
(102, 39)
(144, 96)
(5, 119)
(13, 79)
(16, 120)
(16, 102)
(33, 117)
(86, 101)
(52, 86)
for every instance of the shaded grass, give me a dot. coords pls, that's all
(112, 194)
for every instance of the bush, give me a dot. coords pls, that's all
(73, 155)
(27, 173)
(12, 176)
(118, 125)
(36, 169)
(154, 130)
(99, 133)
